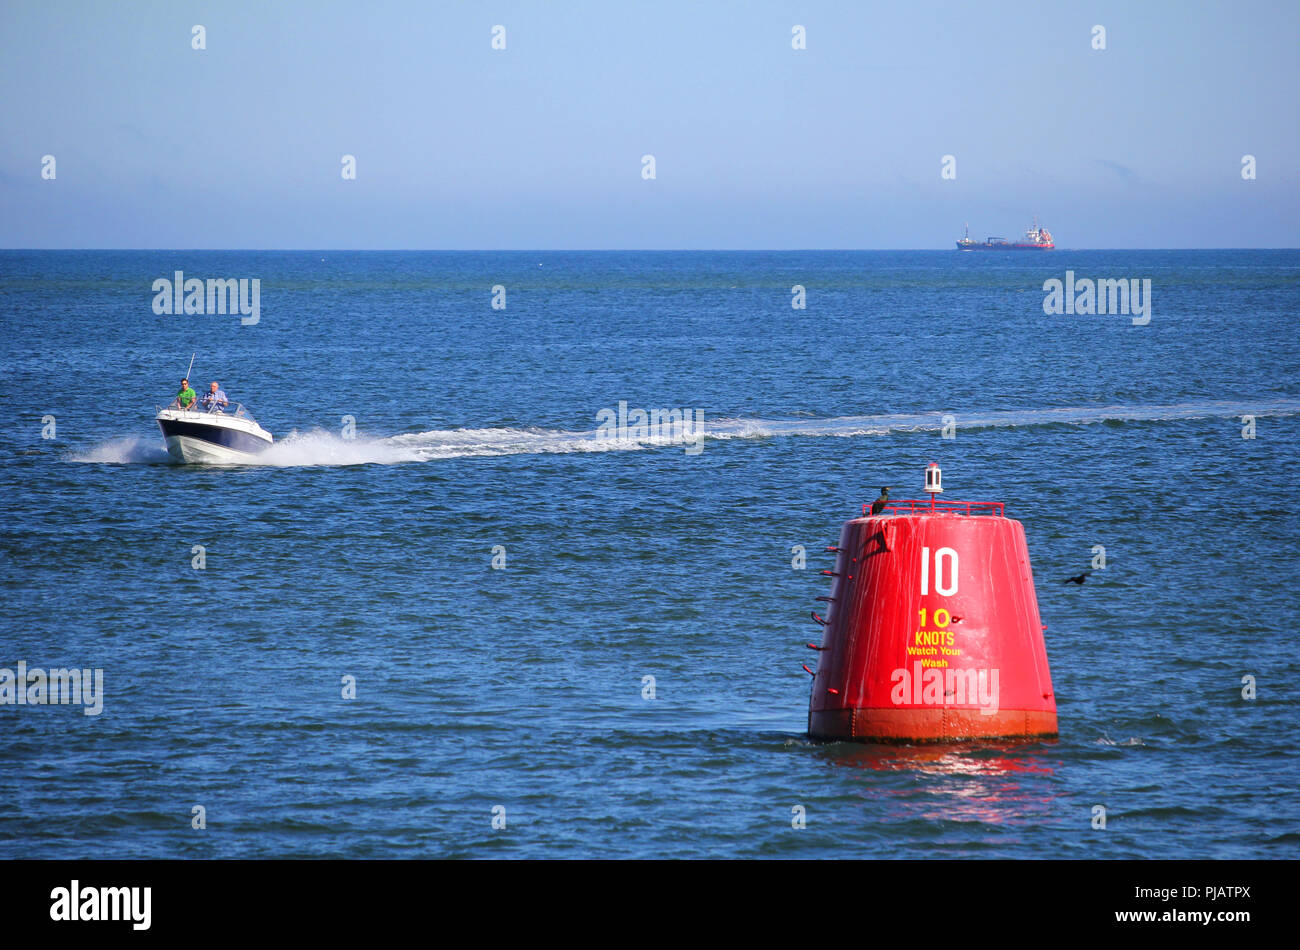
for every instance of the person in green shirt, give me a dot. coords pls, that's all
(186, 397)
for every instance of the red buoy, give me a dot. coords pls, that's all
(933, 631)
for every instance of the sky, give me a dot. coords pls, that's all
(540, 145)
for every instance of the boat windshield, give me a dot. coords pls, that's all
(232, 409)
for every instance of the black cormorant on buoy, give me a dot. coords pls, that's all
(878, 505)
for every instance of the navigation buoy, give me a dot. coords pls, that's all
(933, 633)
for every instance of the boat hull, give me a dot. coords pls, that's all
(1004, 247)
(193, 437)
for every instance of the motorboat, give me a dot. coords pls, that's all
(217, 435)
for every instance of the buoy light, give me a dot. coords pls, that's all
(933, 479)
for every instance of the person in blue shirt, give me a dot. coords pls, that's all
(215, 397)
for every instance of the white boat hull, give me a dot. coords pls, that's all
(183, 448)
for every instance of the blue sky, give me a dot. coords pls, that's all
(539, 145)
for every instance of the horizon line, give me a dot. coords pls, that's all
(606, 250)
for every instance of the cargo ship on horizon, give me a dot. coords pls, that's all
(1035, 239)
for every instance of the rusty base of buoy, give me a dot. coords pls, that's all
(941, 724)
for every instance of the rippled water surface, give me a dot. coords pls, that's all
(371, 557)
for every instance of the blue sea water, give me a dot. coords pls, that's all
(518, 692)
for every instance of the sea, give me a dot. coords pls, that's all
(453, 613)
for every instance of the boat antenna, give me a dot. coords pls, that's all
(191, 369)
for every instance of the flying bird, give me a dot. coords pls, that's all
(878, 505)
(1077, 579)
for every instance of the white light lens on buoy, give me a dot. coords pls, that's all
(933, 478)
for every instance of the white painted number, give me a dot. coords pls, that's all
(945, 581)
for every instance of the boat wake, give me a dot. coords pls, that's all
(129, 450)
(319, 447)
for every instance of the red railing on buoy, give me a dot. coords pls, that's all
(910, 506)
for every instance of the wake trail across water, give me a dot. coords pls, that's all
(319, 447)
(457, 443)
